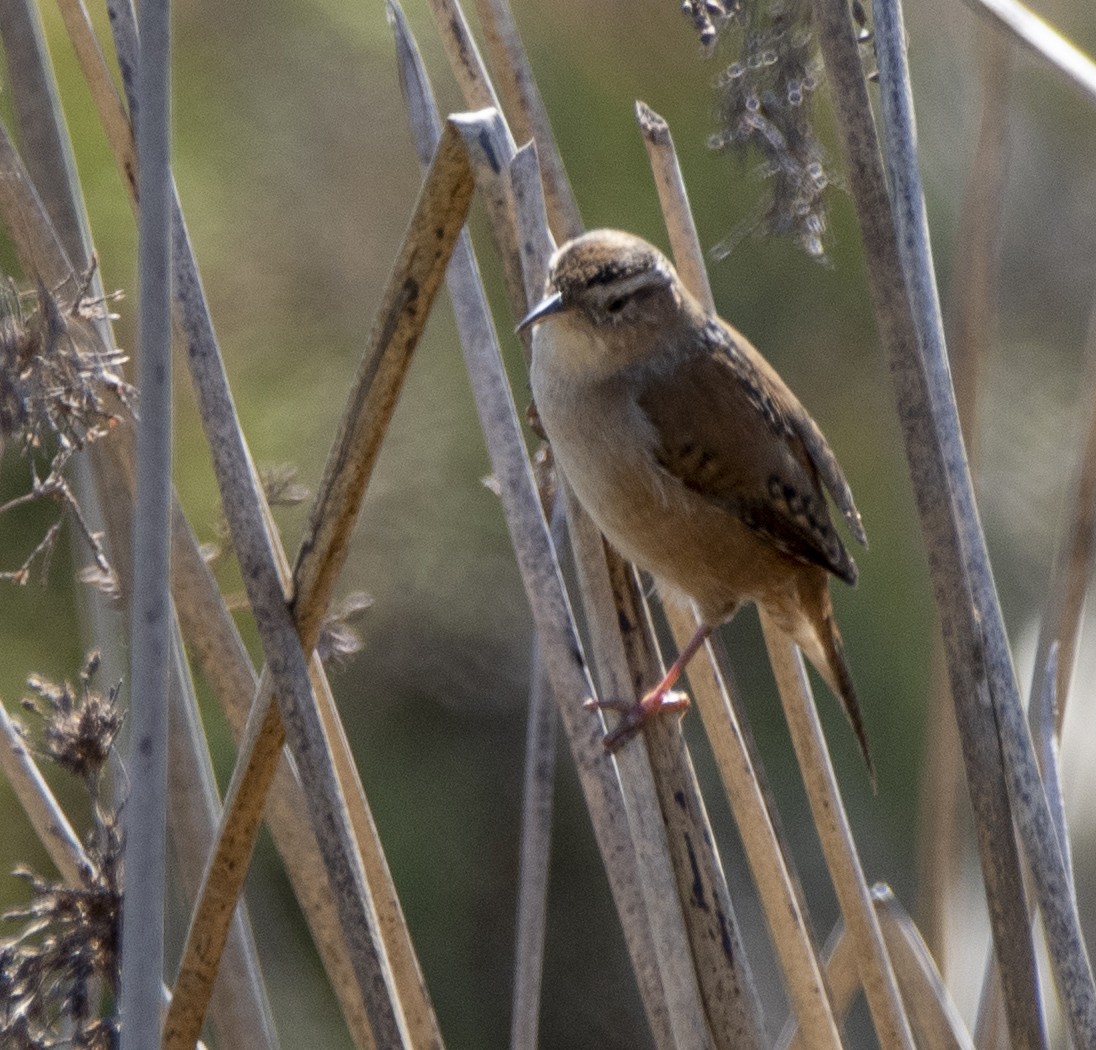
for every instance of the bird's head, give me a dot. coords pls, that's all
(609, 280)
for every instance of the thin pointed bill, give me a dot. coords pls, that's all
(546, 307)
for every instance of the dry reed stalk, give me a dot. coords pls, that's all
(940, 849)
(200, 329)
(1076, 554)
(211, 631)
(873, 963)
(641, 877)
(933, 1016)
(838, 845)
(1070, 966)
(212, 637)
(264, 569)
(150, 603)
(438, 217)
(776, 888)
(665, 807)
(479, 93)
(45, 815)
(1045, 41)
(108, 103)
(482, 355)
(1000, 862)
(241, 1009)
(525, 108)
(473, 78)
(726, 985)
(995, 740)
(40, 251)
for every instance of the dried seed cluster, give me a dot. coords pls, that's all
(59, 391)
(59, 973)
(78, 726)
(56, 387)
(764, 104)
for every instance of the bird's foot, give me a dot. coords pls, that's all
(635, 714)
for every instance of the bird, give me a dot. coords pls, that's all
(691, 455)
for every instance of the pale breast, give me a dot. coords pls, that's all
(604, 444)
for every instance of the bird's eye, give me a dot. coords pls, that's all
(615, 305)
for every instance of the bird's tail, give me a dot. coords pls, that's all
(820, 641)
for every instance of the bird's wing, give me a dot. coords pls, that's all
(741, 447)
(833, 477)
(745, 360)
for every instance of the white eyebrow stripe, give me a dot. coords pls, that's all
(626, 286)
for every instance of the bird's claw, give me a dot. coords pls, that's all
(634, 714)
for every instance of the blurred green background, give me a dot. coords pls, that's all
(297, 175)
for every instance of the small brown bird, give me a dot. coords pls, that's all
(691, 454)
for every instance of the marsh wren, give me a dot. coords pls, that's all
(690, 454)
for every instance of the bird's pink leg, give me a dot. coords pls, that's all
(634, 714)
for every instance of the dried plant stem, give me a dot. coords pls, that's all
(479, 93)
(784, 910)
(973, 287)
(1061, 623)
(23, 214)
(213, 638)
(48, 153)
(730, 998)
(873, 963)
(627, 661)
(970, 613)
(241, 1010)
(262, 564)
(533, 867)
(978, 662)
(990, 1030)
(1027, 27)
(490, 146)
(978, 611)
(150, 618)
(674, 199)
(733, 1010)
(219, 892)
(1044, 712)
(45, 815)
(671, 1011)
(259, 552)
(108, 104)
(210, 630)
(38, 113)
(475, 330)
(842, 980)
(527, 114)
(561, 650)
(673, 995)
(780, 900)
(650, 833)
(416, 276)
(262, 571)
(933, 1016)
(726, 986)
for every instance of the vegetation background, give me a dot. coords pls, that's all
(297, 175)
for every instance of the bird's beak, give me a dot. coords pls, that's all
(551, 305)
